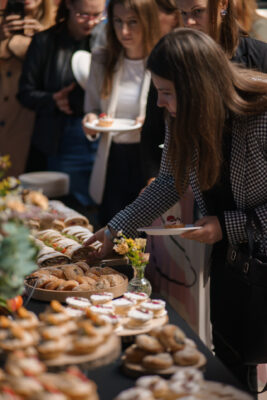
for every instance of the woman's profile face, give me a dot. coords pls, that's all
(166, 94)
(128, 29)
(194, 14)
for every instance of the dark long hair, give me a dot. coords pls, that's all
(208, 88)
(146, 11)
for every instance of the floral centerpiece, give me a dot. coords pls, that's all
(134, 250)
(17, 251)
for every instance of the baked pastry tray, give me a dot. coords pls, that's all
(61, 295)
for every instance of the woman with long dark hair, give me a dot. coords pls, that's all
(216, 142)
(48, 87)
(218, 19)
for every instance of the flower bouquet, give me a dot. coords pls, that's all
(17, 251)
(134, 250)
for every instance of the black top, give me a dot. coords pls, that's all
(251, 53)
(46, 70)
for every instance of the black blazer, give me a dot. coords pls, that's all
(251, 53)
(46, 70)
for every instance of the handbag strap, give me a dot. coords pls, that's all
(252, 218)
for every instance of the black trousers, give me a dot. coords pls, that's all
(226, 305)
(124, 180)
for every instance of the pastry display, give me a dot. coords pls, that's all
(78, 277)
(25, 377)
(72, 248)
(126, 316)
(162, 350)
(104, 120)
(59, 337)
(185, 384)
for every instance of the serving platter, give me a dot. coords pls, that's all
(61, 295)
(103, 355)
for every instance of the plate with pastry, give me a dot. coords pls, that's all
(105, 123)
(165, 230)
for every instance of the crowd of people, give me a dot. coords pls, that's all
(193, 74)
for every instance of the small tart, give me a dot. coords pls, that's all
(102, 309)
(104, 120)
(122, 306)
(136, 297)
(138, 318)
(156, 306)
(80, 303)
(101, 298)
(74, 312)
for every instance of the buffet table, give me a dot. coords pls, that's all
(110, 379)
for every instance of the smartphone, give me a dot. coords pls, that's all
(15, 7)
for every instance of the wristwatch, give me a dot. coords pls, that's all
(108, 234)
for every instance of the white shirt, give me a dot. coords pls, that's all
(129, 91)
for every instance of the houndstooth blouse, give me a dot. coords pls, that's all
(248, 174)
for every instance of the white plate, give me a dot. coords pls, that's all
(119, 125)
(80, 64)
(161, 231)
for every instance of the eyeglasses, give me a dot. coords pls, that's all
(93, 18)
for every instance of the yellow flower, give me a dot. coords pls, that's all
(121, 248)
(141, 243)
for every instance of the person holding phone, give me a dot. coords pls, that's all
(20, 20)
(48, 87)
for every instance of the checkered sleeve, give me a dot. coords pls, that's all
(256, 186)
(157, 198)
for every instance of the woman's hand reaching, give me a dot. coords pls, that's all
(210, 233)
(106, 249)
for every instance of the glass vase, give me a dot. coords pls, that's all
(139, 283)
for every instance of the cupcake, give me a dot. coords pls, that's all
(102, 309)
(137, 298)
(101, 298)
(138, 318)
(122, 306)
(80, 303)
(156, 306)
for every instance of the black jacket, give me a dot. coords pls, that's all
(46, 70)
(251, 53)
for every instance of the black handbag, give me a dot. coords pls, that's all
(249, 268)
